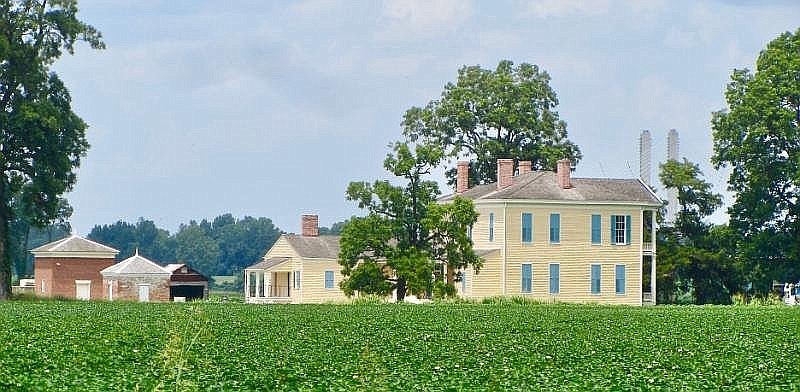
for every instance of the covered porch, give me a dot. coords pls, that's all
(268, 281)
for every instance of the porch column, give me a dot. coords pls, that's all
(653, 258)
(267, 282)
(246, 284)
(258, 284)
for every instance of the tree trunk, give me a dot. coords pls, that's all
(401, 290)
(5, 260)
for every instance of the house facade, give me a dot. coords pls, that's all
(297, 269)
(550, 237)
(70, 268)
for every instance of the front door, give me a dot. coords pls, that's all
(83, 289)
(144, 293)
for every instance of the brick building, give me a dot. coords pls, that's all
(136, 279)
(70, 268)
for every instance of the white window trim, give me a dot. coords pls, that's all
(624, 229)
(490, 229)
(550, 279)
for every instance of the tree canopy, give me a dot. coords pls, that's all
(758, 138)
(508, 112)
(407, 240)
(41, 139)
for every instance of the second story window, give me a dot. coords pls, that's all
(491, 226)
(620, 229)
(555, 228)
(527, 227)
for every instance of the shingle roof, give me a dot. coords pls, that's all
(269, 263)
(543, 185)
(321, 247)
(136, 265)
(74, 244)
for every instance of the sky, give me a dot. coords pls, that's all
(270, 108)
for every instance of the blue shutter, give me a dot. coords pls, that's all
(554, 279)
(628, 229)
(526, 278)
(527, 227)
(595, 229)
(463, 282)
(619, 279)
(613, 238)
(555, 228)
(596, 276)
(491, 226)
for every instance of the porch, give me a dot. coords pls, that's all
(267, 282)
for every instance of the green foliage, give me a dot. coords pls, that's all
(406, 233)
(758, 138)
(100, 346)
(694, 257)
(509, 112)
(225, 245)
(335, 229)
(41, 139)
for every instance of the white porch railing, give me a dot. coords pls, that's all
(647, 298)
(647, 246)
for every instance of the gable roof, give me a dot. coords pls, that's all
(72, 245)
(320, 247)
(269, 263)
(136, 265)
(543, 185)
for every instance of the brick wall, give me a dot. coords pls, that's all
(127, 288)
(61, 273)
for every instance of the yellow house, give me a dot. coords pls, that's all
(297, 269)
(550, 237)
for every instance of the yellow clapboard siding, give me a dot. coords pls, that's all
(313, 281)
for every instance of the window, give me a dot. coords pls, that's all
(297, 279)
(463, 282)
(619, 278)
(526, 278)
(43, 285)
(491, 226)
(620, 229)
(328, 279)
(596, 229)
(596, 273)
(555, 228)
(527, 227)
(469, 232)
(554, 281)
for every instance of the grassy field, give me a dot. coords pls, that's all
(208, 346)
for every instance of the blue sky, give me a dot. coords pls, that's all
(271, 108)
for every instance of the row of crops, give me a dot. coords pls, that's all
(130, 346)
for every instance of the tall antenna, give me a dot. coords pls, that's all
(645, 157)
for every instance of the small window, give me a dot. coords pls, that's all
(554, 278)
(297, 279)
(469, 232)
(526, 278)
(491, 226)
(527, 227)
(43, 285)
(463, 282)
(596, 240)
(596, 277)
(619, 278)
(328, 279)
(555, 228)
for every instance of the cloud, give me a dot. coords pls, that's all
(559, 8)
(413, 19)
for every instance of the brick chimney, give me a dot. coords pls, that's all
(310, 225)
(524, 167)
(505, 173)
(562, 173)
(462, 177)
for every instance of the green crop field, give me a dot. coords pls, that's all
(128, 346)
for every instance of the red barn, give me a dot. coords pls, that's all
(70, 268)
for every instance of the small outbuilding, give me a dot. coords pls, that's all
(136, 279)
(70, 268)
(186, 284)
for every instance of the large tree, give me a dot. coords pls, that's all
(758, 138)
(509, 112)
(41, 138)
(694, 255)
(406, 235)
